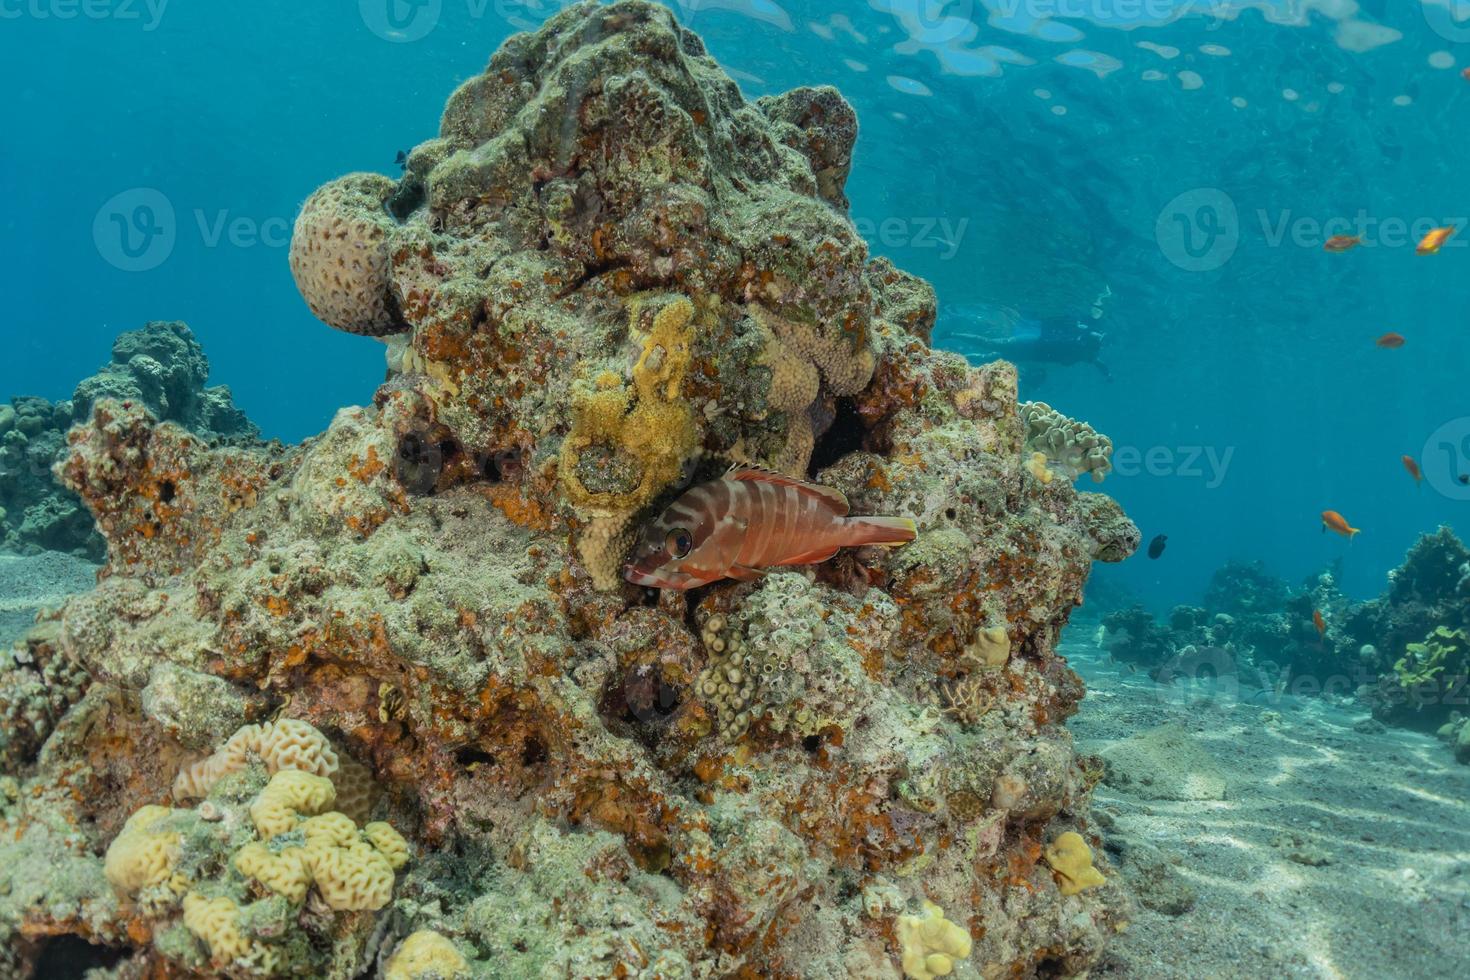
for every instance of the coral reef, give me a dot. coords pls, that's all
(1405, 655)
(1064, 445)
(160, 367)
(166, 864)
(615, 276)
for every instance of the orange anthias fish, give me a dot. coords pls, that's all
(1333, 521)
(747, 521)
(1390, 341)
(1341, 243)
(1435, 240)
(1412, 466)
(1319, 622)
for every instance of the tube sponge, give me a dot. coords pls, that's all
(931, 943)
(426, 955)
(1071, 859)
(340, 259)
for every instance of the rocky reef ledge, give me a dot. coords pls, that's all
(161, 367)
(381, 704)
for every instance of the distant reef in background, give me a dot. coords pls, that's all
(161, 367)
(1405, 654)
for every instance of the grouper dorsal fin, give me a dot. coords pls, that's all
(755, 474)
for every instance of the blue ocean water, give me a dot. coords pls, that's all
(1180, 160)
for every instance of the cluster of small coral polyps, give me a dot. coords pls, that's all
(610, 275)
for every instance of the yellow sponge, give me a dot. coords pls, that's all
(930, 943)
(1071, 858)
(426, 955)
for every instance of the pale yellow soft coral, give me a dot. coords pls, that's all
(1070, 446)
(142, 855)
(930, 943)
(648, 426)
(1036, 466)
(288, 795)
(426, 955)
(285, 744)
(1071, 859)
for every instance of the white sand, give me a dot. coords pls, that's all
(29, 583)
(1334, 852)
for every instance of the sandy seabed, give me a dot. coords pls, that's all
(30, 583)
(1268, 836)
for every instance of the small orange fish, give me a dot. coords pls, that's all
(1465, 74)
(1390, 341)
(749, 520)
(1435, 240)
(1319, 622)
(1342, 243)
(1335, 522)
(1412, 466)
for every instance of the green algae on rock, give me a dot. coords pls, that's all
(615, 275)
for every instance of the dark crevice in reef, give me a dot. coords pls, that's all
(845, 435)
(69, 957)
(593, 272)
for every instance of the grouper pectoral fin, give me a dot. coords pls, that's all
(744, 573)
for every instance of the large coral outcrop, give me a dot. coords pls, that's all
(615, 276)
(160, 368)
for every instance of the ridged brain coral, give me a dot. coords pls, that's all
(616, 276)
(175, 865)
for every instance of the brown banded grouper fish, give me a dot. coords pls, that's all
(747, 521)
